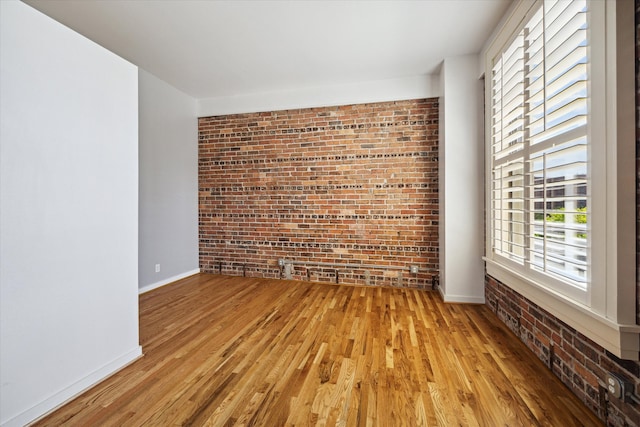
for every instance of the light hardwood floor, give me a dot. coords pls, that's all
(240, 351)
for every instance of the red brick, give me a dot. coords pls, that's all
(361, 178)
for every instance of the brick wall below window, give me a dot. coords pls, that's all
(580, 363)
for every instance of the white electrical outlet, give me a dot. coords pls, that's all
(157, 268)
(615, 386)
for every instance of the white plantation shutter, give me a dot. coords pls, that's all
(539, 139)
(507, 142)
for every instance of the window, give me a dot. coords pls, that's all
(539, 148)
(555, 134)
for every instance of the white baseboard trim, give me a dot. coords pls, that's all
(461, 299)
(67, 394)
(172, 279)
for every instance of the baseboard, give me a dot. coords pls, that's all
(461, 299)
(69, 393)
(156, 285)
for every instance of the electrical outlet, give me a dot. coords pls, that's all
(157, 268)
(414, 269)
(615, 386)
(281, 262)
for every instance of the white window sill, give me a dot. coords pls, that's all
(619, 339)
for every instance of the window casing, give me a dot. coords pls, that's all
(556, 142)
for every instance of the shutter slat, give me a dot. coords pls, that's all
(572, 94)
(559, 129)
(577, 56)
(567, 47)
(575, 74)
(558, 16)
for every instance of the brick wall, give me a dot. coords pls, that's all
(637, 3)
(579, 362)
(354, 184)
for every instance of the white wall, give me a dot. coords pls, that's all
(168, 233)
(461, 176)
(414, 87)
(69, 222)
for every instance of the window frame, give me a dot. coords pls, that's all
(608, 313)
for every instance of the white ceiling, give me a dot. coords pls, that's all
(225, 48)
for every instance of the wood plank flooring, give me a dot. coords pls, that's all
(222, 351)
